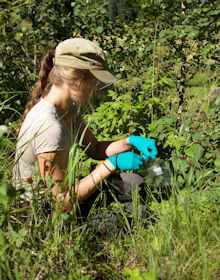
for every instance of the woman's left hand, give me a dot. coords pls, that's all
(146, 146)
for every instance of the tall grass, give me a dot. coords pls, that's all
(179, 240)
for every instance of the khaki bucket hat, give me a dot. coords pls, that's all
(80, 53)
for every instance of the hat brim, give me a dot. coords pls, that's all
(103, 75)
(99, 73)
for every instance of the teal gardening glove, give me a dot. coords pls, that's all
(126, 161)
(147, 146)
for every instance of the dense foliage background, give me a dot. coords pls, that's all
(165, 55)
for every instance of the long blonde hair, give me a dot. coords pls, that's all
(78, 79)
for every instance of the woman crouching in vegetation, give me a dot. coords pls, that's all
(68, 77)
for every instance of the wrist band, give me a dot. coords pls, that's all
(107, 167)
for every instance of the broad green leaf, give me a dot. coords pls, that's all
(195, 151)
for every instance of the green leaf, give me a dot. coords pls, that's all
(99, 29)
(4, 199)
(195, 151)
(217, 163)
(136, 274)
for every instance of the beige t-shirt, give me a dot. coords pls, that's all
(43, 130)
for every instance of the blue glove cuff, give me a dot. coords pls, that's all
(130, 139)
(113, 161)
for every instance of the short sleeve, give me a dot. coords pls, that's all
(48, 138)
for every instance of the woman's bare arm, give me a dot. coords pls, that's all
(50, 167)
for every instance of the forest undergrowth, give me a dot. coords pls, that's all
(165, 55)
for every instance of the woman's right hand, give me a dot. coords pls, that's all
(126, 161)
